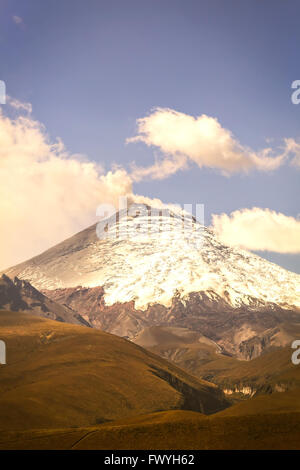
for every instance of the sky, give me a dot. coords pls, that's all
(174, 100)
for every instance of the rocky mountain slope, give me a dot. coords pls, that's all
(147, 255)
(241, 332)
(20, 295)
(148, 267)
(270, 372)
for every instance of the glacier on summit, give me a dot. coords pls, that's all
(148, 255)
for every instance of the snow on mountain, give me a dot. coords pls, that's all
(148, 255)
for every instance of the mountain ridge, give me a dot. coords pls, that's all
(146, 267)
(20, 295)
(147, 257)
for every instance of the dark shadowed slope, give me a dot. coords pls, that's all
(20, 295)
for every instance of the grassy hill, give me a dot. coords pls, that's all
(272, 371)
(70, 387)
(63, 375)
(174, 430)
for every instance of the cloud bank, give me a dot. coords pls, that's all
(46, 194)
(258, 229)
(183, 138)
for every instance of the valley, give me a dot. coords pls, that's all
(105, 350)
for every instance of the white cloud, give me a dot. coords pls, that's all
(19, 105)
(161, 169)
(258, 229)
(293, 148)
(183, 138)
(46, 194)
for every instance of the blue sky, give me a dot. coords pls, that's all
(90, 69)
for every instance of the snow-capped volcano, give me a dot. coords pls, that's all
(149, 255)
